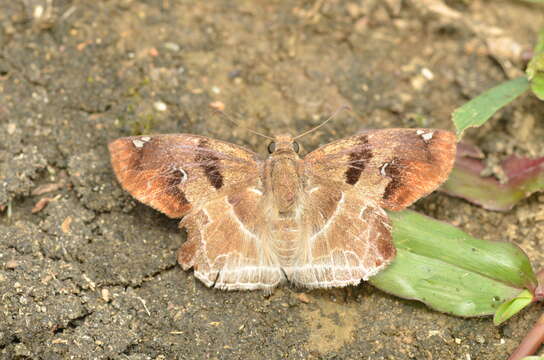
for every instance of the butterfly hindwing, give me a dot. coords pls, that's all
(347, 239)
(228, 246)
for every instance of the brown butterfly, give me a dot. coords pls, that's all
(317, 221)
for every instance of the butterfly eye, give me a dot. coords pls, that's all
(271, 147)
(296, 147)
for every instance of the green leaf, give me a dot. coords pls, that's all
(478, 110)
(537, 84)
(535, 68)
(539, 47)
(512, 307)
(533, 358)
(451, 271)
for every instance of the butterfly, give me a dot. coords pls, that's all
(317, 221)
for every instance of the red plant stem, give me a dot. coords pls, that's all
(539, 290)
(531, 342)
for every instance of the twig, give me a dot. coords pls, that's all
(143, 303)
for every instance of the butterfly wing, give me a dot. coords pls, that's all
(395, 167)
(228, 246)
(346, 238)
(216, 186)
(348, 183)
(180, 172)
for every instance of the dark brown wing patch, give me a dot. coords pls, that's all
(358, 160)
(209, 164)
(172, 180)
(394, 167)
(175, 173)
(392, 170)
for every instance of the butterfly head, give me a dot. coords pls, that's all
(283, 144)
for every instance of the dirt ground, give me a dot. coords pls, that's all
(93, 274)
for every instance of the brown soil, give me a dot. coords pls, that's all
(93, 274)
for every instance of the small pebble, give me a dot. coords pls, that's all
(418, 82)
(65, 226)
(105, 295)
(218, 105)
(38, 12)
(160, 106)
(12, 264)
(172, 46)
(302, 297)
(427, 74)
(11, 128)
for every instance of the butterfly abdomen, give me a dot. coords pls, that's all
(286, 239)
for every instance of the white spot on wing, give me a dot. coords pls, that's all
(256, 191)
(313, 189)
(427, 136)
(362, 212)
(139, 143)
(184, 175)
(382, 169)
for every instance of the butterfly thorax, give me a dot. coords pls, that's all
(283, 176)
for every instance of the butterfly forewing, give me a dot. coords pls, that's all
(393, 167)
(177, 173)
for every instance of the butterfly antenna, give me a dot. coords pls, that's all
(341, 108)
(227, 117)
